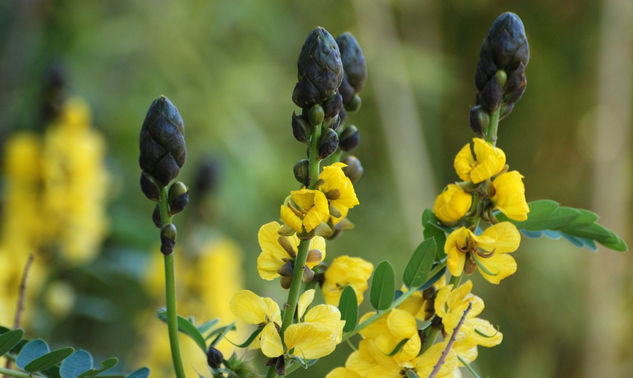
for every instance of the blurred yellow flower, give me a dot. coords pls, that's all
(339, 191)
(344, 271)
(417, 305)
(452, 204)
(488, 251)
(479, 163)
(277, 250)
(509, 195)
(369, 361)
(388, 331)
(305, 209)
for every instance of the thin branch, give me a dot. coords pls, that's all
(440, 362)
(21, 296)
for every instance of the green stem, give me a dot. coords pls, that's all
(430, 339)
(170, 293)
(455, 281)
(15, 373)
(272, 372)
(493, 126)
(313, 156)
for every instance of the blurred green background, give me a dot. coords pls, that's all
(230, 67)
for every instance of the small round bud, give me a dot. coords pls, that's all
(354, 169)
(156, 216)
(214, 358)
(350, 138)
(285, 282)
(314, 255)
(162, 141)
(207, 176)
(333, 123)
(316, 115)
(286, 269)
(301, 171)
(299, 128)
(308, 274)
(354, 66)
(501, 78)
(354, 104)
(328, 143)
(479, 119)
(178, 197)
(149, 187)
(168, 239)
(333, 106)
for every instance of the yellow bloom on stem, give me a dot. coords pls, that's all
(388, 331)
(338, 189)
(480, 162)
(369, 361)
(344, 271)
(509, 195)
(489, 252)
(452, 204)
(305, 209)
(417, 305)
(431, 356)
(277, 250)
(316, 336)
(450, 305)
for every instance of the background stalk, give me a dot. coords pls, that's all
(170, 293)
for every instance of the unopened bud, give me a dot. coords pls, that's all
(178, 197)
(285, 244)
(314, 255)
(328, 143)
(168, 238)
(323, 230)
(149, 187)
(286, 269)
(299, 128)
(333, 123)
(286, 230)
(354, 104)
(156, 216)
(162, 141)
(308, 274)
(333, 106)
(479, 119)
(354, 169)
(350, 138)
(470, 266)
(214, 358)
(301, 171)
(502, 77)
(335, 212)
(354, 66)
(285, 282)
(316, 115)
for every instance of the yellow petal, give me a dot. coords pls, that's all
(429, 358)
(509, 195)
(502, 264)
(464, 163)
(503, 237)
(334, 178)
(402, 324)
(341, 372)
(344, 271)
(304, 301)
(290, 218)
(456, 258)
(490, 161)
(409, 351)
(272, 310)
(452, 204)
(485, 334)
(374, 329)
(273, 256)
(320, 212)
(328, 317)
(309, 341)
(271, 341)
(249, 307)
(316, 242)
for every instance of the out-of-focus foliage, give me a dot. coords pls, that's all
(230, 66)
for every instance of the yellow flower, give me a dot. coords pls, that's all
(316, 336)
(369, 361)
(481, 164)
(509, 195)
(488, 251)
(342, 372)
(452, 204)
(417, 305)
(344, 271)
(431, 356)
(305, 209)
(338, 189)
(450, 305)
(277, 250)
(388, 331)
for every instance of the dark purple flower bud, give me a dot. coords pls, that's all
(149, 187)
(354, 65)
(328, 143)
(178, 197)
(300, 128)
(333, 106)
(350, 138)
(214, 358)
(168, 239)
(301, 171)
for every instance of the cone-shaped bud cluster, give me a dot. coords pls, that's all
(355, 69)
(168, 238)
(500, 76)
(178, 197)
(162, 142)
(214, 358)
(320, 70)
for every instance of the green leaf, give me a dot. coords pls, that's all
(220, 332)
(49, 360)
(419, 266)
(78, 362)
(382, 286)
(412, 374)
(398, 347)
(188, 328)
(140, 373)
(10, 339)
(432, 229)
(251, 338)
(348, 306)
(31, 350)
(434, 278)
(206, 326)
(105, 365)
(578, 226)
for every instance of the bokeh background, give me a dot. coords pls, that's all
(230, 67)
